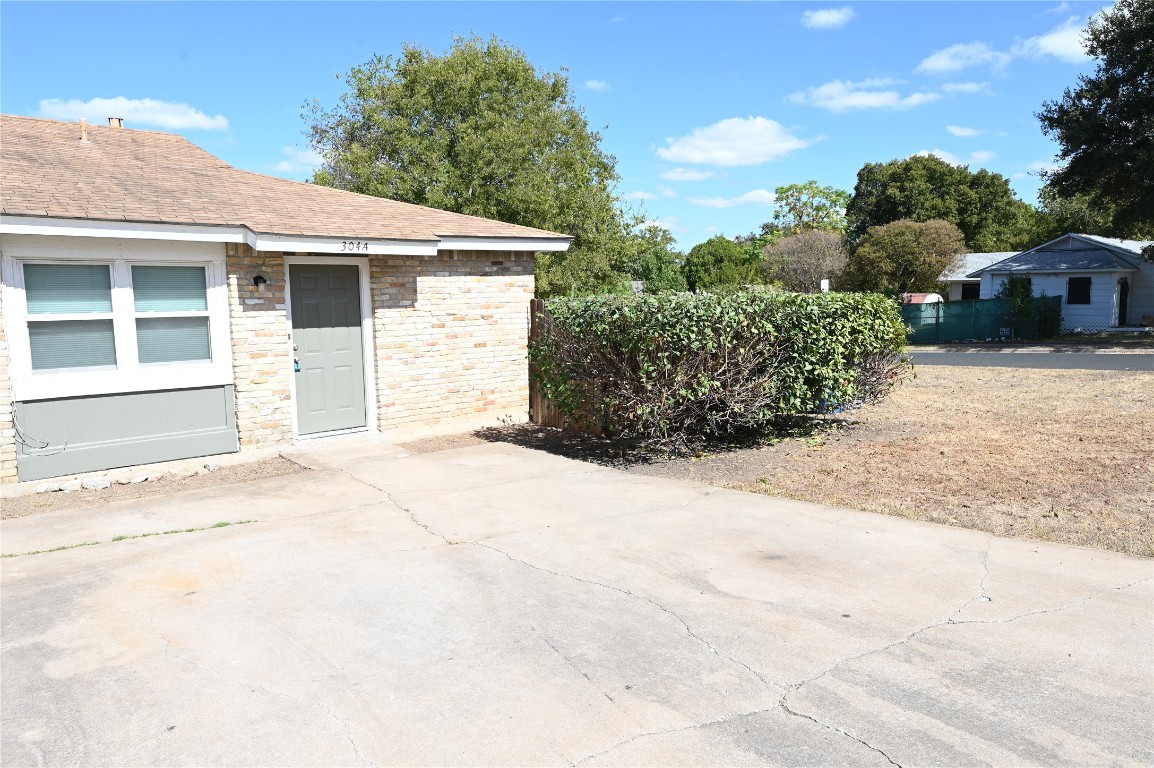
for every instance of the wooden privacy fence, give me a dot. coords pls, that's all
(542, 410)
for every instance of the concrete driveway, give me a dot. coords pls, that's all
(494, 605)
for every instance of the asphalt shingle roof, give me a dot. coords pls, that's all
(122, 174)
(1072, 253)
(973, 262)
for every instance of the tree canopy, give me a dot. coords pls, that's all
(651, 258)
(809, 206)
(926, 188)
(719, 262)
(479, 131)
(904, 257)
(1105, 124)
(800, 262)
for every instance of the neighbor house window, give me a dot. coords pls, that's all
(971, 291)
(70, 320)
(1078, 290)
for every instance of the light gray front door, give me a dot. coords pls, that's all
(330, 376)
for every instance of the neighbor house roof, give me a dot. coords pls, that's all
(973, 262)
(1072, 253)
(125, 175)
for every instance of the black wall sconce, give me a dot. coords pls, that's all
(260, 282)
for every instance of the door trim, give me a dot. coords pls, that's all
(368, 349)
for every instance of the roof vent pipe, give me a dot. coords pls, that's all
(116, 122)
(83, 131)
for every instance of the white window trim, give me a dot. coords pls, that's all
(129, 375)
(372, 418)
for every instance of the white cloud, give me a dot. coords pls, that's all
(842, 95)
(150, 112)
(752, 197)
(827, 18)
(666, 191)
(736, 141)
(640, 195)
(966, 87)
(1063, 42)
(962, 56)
(298, 161)
(941, 154)
(980, 156)
(958, 130)
(1061, 7)
(687, 174)
(597, 85)
(669, 222)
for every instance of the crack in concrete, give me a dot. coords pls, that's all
(785, 708)
(695, 726)
(951, 621)
(1057, 609)
(576, 668)
(399, 506)
(688, 630)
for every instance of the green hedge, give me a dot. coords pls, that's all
(676, 367)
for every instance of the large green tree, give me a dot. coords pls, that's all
(798, 208)
(652, 258)
(719, 262)
(479, 131)
(809, 206)
(904, 257)
(924, 188)
(1105, 124)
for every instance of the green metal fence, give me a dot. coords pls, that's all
(966, 320)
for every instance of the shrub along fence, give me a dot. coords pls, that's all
(676, 368)
(982, 319)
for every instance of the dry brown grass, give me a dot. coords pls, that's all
(1063, 456)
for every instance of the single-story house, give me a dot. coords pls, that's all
(962, 287)
(159, 304)
(1104, 283)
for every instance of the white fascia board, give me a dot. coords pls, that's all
(343, 246)
(533, 244)
(132, 230)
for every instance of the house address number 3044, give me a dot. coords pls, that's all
(355, 245)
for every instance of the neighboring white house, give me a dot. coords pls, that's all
(1104, 283)
(962, 286)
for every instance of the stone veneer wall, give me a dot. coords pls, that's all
(7, 429)
(261, 347)
(451, 335)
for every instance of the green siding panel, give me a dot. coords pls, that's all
(87, 434)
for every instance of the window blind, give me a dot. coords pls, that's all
(68, 288)
(169, 289)
(71, 344)
(172, 339)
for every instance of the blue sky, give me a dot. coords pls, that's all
(707, 106)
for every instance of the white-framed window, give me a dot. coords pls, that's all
(88, 316)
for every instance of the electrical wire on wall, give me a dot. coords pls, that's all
(28, 444)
